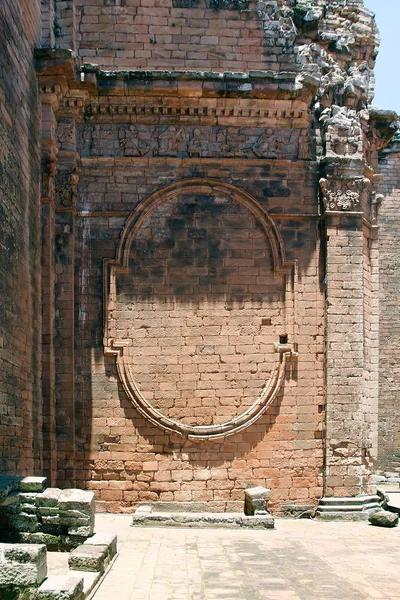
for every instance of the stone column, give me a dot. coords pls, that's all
(350, 270)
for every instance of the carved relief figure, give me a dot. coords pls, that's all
(343, 135)
(269, 145)
(171, 141)
(197, 145)
(132, 143)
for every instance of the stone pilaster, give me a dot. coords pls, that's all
(48, 169)
(66, 194)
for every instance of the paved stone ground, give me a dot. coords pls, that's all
(300, 560)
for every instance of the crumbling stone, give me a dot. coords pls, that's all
(88, 558)
(61, 587)
(104, 539)
(22, 565)
(384, 518)
(256, 501)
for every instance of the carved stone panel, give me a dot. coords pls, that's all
(195, 142)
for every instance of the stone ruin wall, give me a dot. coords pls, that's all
(210, 35)
(100, 159)
(389, 324)
(20, 251)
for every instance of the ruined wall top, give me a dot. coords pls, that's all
(219, 35)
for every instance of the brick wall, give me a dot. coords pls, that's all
(176, 34)
(20, 342)
(389, 352)
(196, 245)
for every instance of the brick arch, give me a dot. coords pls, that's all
(123, 347)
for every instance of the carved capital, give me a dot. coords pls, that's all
(343, 195)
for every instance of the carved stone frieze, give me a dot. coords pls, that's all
(194, 142)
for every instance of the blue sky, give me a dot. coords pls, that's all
(387, 14)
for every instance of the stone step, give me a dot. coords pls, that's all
(61, 587)
(104, 539)
(88, 558)
(348, 501)
(227, 520)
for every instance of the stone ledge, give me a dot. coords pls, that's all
(357, 508)
(224, 520)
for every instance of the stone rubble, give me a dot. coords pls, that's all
(34, 514)
(384, 518)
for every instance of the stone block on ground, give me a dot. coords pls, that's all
(22, 565)
(384, 518)
(49, 498)
(256, 501)
(33, 484)
(88, 558)
(77, 512)
(61, 587)
(104, 539)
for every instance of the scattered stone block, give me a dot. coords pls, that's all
(88, 558)
(384, 518)
(49, 498)
(77, 511)
(104, 539)
(22, 565)
(33, 484)
(61, 587)
(256, 501)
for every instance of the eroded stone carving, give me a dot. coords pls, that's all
(269, 145)
(171, 141)
(338, 195)
(342, 132)
(67, 188)
(198, 145)
(132, 142)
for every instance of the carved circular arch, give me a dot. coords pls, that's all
(116, 347)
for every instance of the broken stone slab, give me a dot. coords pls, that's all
(80, 500)
(256, 501)
(49, 498)
(22, 565)
(61, 587)
(202, 520)
(384, 518)
(104, 539)
(33, 484)
(88, 558)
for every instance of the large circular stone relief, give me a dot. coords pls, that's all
(196, 311)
